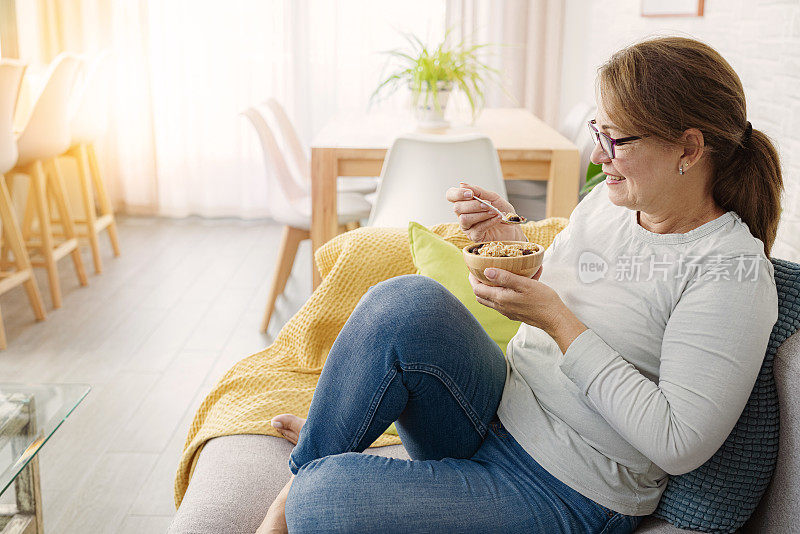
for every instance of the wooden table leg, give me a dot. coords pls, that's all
(324, 221)
(563, 183)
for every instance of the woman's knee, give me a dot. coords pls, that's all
(408, 284)
(408, 297)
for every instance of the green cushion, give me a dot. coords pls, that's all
(438, 259)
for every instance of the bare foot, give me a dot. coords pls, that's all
(288, 425)
(275, 521)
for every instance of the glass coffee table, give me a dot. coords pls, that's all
(29, 415)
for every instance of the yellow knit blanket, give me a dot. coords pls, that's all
(282, 377)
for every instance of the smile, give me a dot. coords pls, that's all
(611, 179)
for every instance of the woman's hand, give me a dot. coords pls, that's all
(530, 301)
(478, 221)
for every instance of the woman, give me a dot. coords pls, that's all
(643, 334)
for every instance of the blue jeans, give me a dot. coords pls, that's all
(412, 353)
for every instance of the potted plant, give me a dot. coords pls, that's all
(594, 175)
(432, 74)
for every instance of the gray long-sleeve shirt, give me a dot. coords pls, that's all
(678, 326)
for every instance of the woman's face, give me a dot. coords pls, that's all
(643, 175)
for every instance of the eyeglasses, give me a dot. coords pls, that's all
(608, 144)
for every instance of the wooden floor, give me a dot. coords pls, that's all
(151, 335)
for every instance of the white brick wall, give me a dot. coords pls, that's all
(759, 38)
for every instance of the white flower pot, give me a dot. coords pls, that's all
(428, 114)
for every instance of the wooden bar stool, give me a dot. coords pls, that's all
(92, 187)
(45, 137)
(11, 239)
(88, 123)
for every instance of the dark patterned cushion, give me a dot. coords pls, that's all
(720, 495)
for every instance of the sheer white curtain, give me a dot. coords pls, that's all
(530, 34)
(185, 69)
(207, 61)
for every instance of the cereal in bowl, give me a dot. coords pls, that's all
(497, 249)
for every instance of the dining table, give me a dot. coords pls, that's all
(355, 144)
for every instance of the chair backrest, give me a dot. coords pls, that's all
(419, 169)
(284, 192)
(89, 113)
(10, 80)
(46, 134)
(297, 153)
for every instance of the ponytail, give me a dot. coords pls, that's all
(749, 182)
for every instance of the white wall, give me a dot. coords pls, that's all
(759, 38)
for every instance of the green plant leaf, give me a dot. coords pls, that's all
(422, 69)
(592, 170)
(592, 182)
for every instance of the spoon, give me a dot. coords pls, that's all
(507, 218)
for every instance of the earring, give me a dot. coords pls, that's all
(680, 170)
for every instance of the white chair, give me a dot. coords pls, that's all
(419, 169)
(88, 123)
(290, 204)
(574, 128)
(298, 155)
(46, 136)
(10, 79)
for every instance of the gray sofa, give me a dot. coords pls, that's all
(237, 477)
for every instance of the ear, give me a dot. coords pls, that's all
(694, 143)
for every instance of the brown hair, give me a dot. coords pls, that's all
(663, 86)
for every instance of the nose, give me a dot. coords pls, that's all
(598, 155)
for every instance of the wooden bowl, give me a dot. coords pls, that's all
(522, 265)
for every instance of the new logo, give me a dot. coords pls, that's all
(591, 267)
